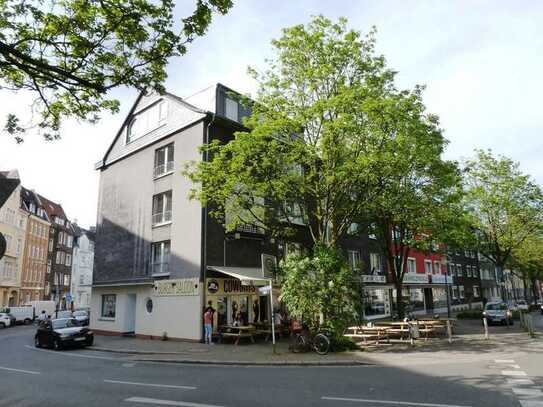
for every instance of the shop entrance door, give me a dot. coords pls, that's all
(240, 309)
(428, 300)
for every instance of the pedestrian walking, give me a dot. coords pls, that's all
(208, 325)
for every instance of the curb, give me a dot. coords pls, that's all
(227, 362)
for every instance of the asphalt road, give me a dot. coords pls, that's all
(35, 377)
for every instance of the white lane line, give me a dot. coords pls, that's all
(513, 373)
(9, 369)
(396, 403)
(504, 361)
(169, 386)
(531, 403)
(166, 402)
(515, 382)
(527, 392)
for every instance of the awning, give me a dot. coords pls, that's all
(247, 275)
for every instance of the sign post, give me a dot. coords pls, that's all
(269, 265)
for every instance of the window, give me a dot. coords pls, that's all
(372, 231)
(19, 246)
(428, 266)
(160, 257)
(149, 305)
(66, 280)
(147, 120)
(476, 291)
(163, 160)
(81, 279)
(48, 266)
(8, 242)
(68, 260)
(231, 109)
(50, 245)
(353, 229)
(354, 259)
(411, 265)
(162, 208)
(461, 291)
(455, 293)
(108, 305)
(375, 263)
(458, 270)
(69, 240)
(437, 267)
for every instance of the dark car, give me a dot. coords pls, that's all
(82, 316)
(61, 333)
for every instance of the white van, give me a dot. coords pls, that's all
(39, 306)
(22, 315)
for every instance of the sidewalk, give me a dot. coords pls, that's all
(468, 345)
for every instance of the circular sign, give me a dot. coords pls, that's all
(212, 286)
(3, 245)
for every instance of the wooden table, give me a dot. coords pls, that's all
(367, 332)
(237, 332)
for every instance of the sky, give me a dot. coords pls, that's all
(481, 62)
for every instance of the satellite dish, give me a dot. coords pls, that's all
(3, 245)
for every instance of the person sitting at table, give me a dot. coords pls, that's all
(237, 320)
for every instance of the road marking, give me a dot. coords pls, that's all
(504, 361)
(531, 403)
(519, 381)
(9, 369)
(166, 402)
(403, 403)
(170, 386)
(513, 373)
(527, 392)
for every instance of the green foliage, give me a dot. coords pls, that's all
(342, 344)
(70, 53)
(505, 205)
(321, 285)
(312, 147)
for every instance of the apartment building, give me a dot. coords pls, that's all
(463, 266)
(12, 227)
(35, 265)
(82, 265)
(59, 254)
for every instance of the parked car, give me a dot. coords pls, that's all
(522, 305)
(5, 320)
(82, 316)
(23, 315)
(498, 312)
(61, 333)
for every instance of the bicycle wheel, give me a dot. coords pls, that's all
(299, 344)
(321, 343)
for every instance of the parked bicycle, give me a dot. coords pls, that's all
(305, 342)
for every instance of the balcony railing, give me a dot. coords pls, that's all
(162, 217)
(163, 169)
(249, 229)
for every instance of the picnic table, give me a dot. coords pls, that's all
(368, 333)
(237, 332)
(425, 327)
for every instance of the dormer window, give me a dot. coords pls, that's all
(147, 120)
(231, 109)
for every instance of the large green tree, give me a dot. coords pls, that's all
(70, 53)
(527, 263)
(506, 206)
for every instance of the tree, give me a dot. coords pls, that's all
(308, 154)
(505, 205)
(527, 262)
(70, 53)
(418, 204)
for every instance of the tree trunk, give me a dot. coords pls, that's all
(399, 299)
(525, 289)
(534, 290)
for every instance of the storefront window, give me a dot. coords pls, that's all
(375, 302)
(440, 297)
(416, 298)
(222, 311)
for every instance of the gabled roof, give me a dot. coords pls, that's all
(30, 197)
(52, 209)
(9, 181)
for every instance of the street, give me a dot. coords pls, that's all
(32, 377)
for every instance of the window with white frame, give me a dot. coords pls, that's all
(454, 292)
(375, 263)
(354, 259)
(69, 241)
(162, 208)
(461, 291)
(428, 266)
(109, 302)
(231, 109)
(411, 265)
(66, 280)
(160, 257)
(458, 270)
(437, 267)
(476, 291)
(163, 160)
(50, 245)
(372, 231)
(146, 121)
(68, 260)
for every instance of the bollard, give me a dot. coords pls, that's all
(449, 331)
(485, 324)
(522, 321)
(530, 324)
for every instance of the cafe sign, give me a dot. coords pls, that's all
(414, 278)
(225, 286)
(179, 287)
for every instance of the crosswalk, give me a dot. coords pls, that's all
(522, 386)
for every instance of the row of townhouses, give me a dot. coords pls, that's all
(47, 257)
(160, 258)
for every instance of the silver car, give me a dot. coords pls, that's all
(498, 312)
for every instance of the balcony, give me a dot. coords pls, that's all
(250, 229)
(162, 218)
(163, 169)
